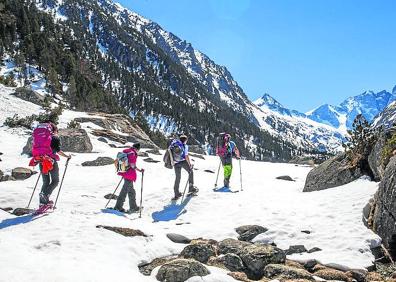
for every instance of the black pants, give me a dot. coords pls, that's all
(178, 168)
(127, 188)
(50, 180)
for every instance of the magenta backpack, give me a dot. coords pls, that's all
(42, 136)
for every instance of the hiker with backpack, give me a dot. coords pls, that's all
(126, 167)
(177, 154)
(46, 151)
(226, 149)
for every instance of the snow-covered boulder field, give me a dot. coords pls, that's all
(66, 245)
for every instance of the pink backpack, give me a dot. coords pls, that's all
(42, 136)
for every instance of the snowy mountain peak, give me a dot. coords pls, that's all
(268, 100)
(394, 91)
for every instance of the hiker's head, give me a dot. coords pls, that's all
(183, 138)
(136, 146)
(227, 137)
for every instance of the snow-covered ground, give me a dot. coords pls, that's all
(67, 246)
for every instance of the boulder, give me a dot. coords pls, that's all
(358, 274)
(154, 152)
(147, 267)
(332, 274)
(111, 196)
(232, 246)
(102, 139)
(177, 238)
(285, 177)
(332, 173)
(239, 276)
(198, 251)
(231, 262)
(257, 256)
(248, 232)
(150, 160)
(296, 249)
(375, 158)
(286, 272)
(7, 209)
(127, 232)
(7, 178)
(143, 154)
(21, 211)
(100, 161)
(313, 250)
(21, 173)
(302, 161)
(384, 214)
(72, 140)
(122, 123)
(1, 174)
(29, 95)
(180, 270)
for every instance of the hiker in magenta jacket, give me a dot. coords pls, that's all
(129, 177)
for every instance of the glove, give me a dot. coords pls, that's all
(142, 170)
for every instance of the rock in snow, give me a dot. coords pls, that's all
(180, 270)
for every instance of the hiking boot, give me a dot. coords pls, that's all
(43, 199)
(120, 209)
(177, 196)
(133, 210)
(193, 190)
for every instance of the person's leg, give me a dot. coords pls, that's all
(177, 179)
(122, 196)
(227, 175)
(54, 173)
(131, 195)
(190, 176)
(44, 187)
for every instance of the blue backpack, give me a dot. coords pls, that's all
(178, 151)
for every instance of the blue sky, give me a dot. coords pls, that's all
(304, 53)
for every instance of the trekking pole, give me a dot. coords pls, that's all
(60, 187)
(31, 197)
(112, 195)
(218, 171)
(240, 172)
(141, 196)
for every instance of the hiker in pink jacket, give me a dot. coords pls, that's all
(129, 177)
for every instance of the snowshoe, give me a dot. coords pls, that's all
(43, 208)
(176, 197)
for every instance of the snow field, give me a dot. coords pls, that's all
(67, 246)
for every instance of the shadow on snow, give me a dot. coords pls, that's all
(171, 211)
(18, 220)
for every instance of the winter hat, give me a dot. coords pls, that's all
(136, 146)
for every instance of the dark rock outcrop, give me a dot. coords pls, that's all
(257, 256)
(384, 215)
(22, 173)
(72, 140)
(196, 149)
(7, 178)
(143, 154)
(109, 122)
(333, 172)
(249, 232)
(375, 158)
(29, 95)
(177, 238)
(127, 232)
(100, 161)
(285, 177)
(180, 270)
(1, 175)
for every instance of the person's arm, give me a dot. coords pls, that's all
(237, 153)
(188, 161)
(61, 153)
